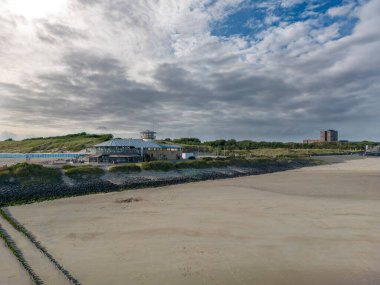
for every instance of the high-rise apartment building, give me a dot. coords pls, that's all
(329, 136)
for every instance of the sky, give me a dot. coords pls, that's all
(277, 70)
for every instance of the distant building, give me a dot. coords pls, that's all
(372, 151)
(148, 135)
(135, 150)
(311, 141)
(116, 151)
(329, 136)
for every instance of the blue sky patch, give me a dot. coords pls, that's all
(251, 18)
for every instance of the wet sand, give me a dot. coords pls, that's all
(316, 225)
(39, 263)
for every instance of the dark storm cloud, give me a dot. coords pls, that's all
(93, 88)
(233, 88)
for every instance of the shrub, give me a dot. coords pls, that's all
(25, 173)
(221, 162)
(126, 168)
(192, 164)
(158, 165)
(4, 175)
(238, 162)
(67, 166)
(217, 163)
(207, 158)
(84, 172)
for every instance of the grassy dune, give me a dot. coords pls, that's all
(291, 152)
(126, 168)
(28, 183)
(27, 174)
(209, 163)
(83, 172)
(24, 173)
(73, 142)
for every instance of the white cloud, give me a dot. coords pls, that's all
(340, 10)
(123, 65)
(290, 3)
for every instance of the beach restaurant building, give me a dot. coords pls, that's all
(135, 150)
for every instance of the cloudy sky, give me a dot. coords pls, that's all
(262, 70)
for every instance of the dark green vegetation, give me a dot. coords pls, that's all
(202, 164)
(158, 165)
(126, 168)
(73, 142)
(195, 144)
(88, 181)
(189, 141)
(248, 144)
(83, 172)
(24, 173)
(68, 166)
(198, 164)
(240, 162)
(208, 163)
(76, 142)
(224, 162)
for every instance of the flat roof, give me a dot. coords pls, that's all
(124, 155)
(137, 143)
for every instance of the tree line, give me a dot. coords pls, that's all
(232, 144)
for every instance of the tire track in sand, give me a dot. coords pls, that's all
(40, 263)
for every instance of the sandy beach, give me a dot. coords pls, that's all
(11, 272)
(317, 225)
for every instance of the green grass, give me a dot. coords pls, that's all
(158, 165)
(199, 164)
(74, 142)
(192, 164)
(275, 152)
(67, 166)
(207, 163)
(240, 162)
(24, 173)
(126, 168)
(297, 152)
(84, 172)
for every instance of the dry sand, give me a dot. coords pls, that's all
(317, 225)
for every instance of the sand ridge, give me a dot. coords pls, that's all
(11, 272)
